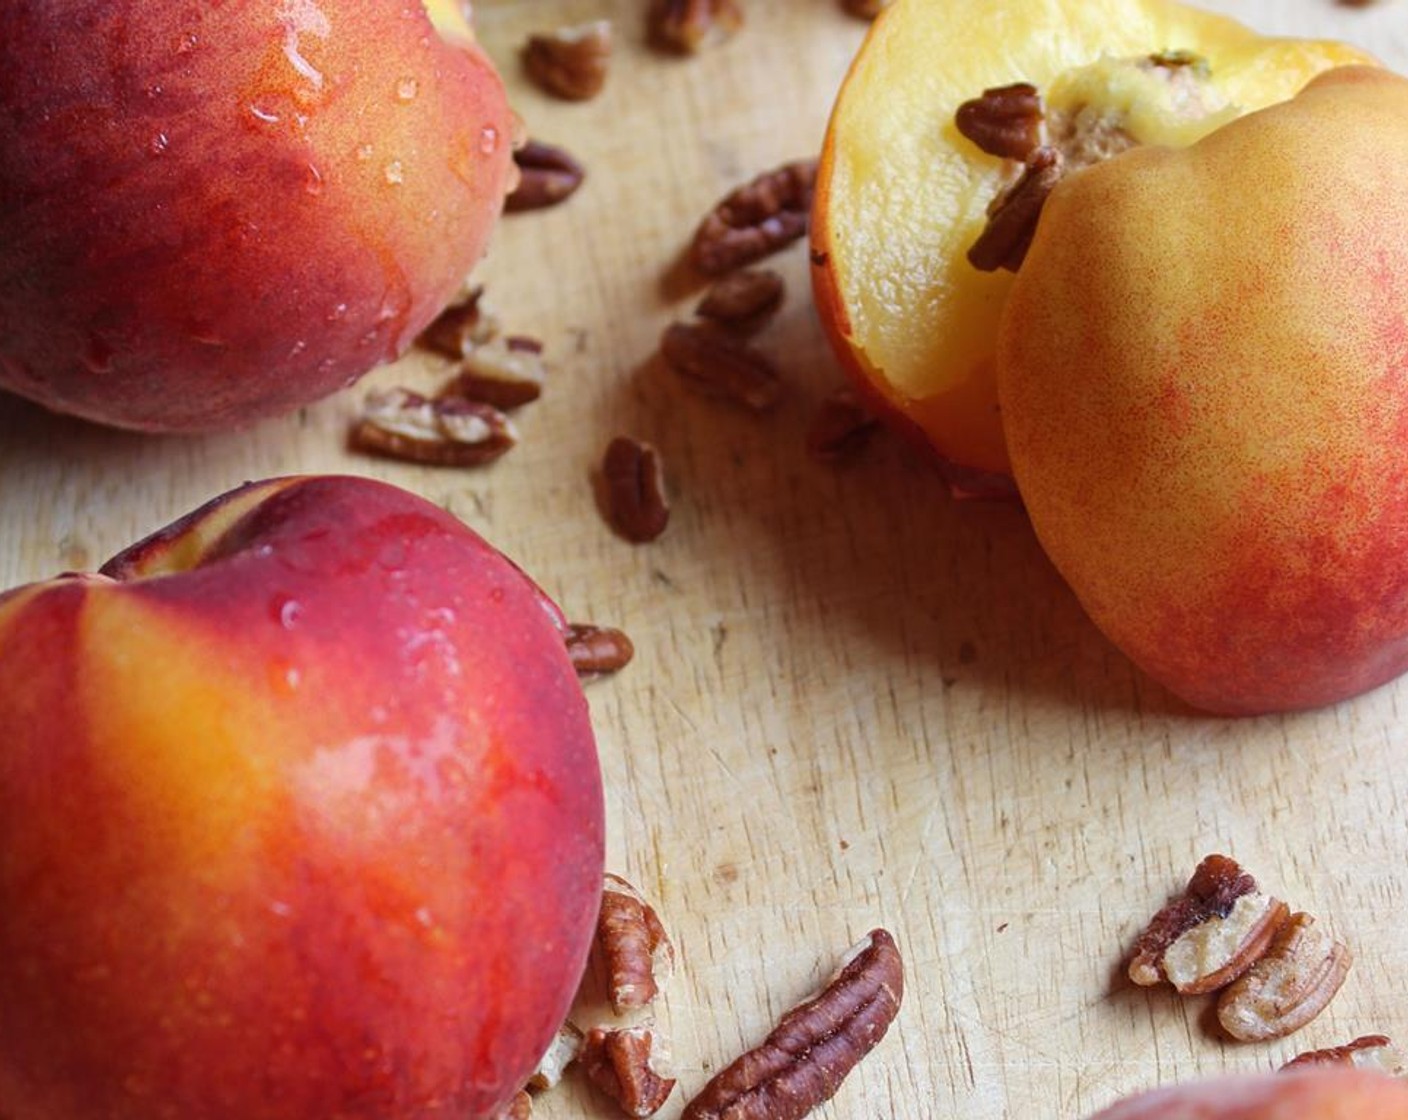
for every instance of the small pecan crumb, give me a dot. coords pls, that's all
(688, 26)
(1372, 1051)
(1006, 121)
(570, 62)
(1288, 986)
(716, 365)
(814, 1046)
(638, 953)
(841, 426)
(864, 9)
(1211, 934)
(444, 431)
(598, 650)
(506, 373)
(622, 1063)
(461, 326)
(1013, 214)
(762, 216)
(520, 1107)
(547, 175)
(565, 1048)
(743, 298)
(635, 489)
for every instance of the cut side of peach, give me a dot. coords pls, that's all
(902, 195)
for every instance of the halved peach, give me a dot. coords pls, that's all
(903, 195)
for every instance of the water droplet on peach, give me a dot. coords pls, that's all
(365, 152)
(395, 175)
(313, 180)
(158, 144)
(406, 89)
(489, 140)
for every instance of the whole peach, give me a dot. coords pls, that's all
(1203, 372)
(1341, 1094)
(300, 819)
(211, 213)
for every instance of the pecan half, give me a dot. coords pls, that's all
(598, 650)
(1372, 1051)
(622, 1064)
(1006, 121)
(570, 62)
(762, 216)
(688, 26)
(1211, 934)
(506, 373)
(461, 326)
(1013, 214)
(841, 426)
(547, 176)
(814, 1046)
(635, 489)
(638, 953)
(1291, 984)
(716, 365)
(443, 432)
(565, 1048)
(743, 298)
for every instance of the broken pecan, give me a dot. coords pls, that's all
(743, 298)
(1372, 1051)
(520, 1107)
(864, 9)
(840, 427)
(571, 62)
(547, 175)
(687, 26)
(762, 216)
(505, 373)
(815, 1045)
(596, 650)
(444, 432)
(565, 1048)
(635, 489)
(1288, 986)
(622, 1064)
(637, 951)
(1013, 214)
(1006, 121)
(1211, 934)
(461, 326)
(716, 365)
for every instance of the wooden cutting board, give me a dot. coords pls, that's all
(855, 703)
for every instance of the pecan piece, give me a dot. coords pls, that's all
(519, 1107)
(716, 365)
(688, 26)
(635, 489)
(1291, 984)
(565, 1048)
(814, 1046)
(764, 215)
(864, 9)
(570, 62)
(1013, 214)
(622, 1064)
(547, 176)
(1372, 1051)
(461, 326)
(841, 426)
(743, 298)
(638, 953)
(597, 650)
(1005, 121)
(442, 432)
(506, 373)
(1211, 934)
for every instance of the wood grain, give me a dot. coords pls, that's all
(854, 702)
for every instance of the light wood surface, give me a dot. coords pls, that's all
(855, 702)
